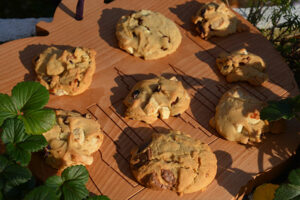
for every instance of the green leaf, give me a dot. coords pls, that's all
(1, 183)
(54, 181)
(294, 177)
(13, 131)
(287, 192)
(3, 163)
(18, 154)
(33, 143)
(101, 197)
(38, 121)
(30, 96)
(41, 193)
(7, 108)
(1, 196)
(19, 192)
(76, 173)
(278, 109)
(16, 175)
(73, 190)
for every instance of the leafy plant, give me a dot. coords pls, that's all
(19, 145)
(69, 186)
(26, 103)
(288, 108)
(291, 190)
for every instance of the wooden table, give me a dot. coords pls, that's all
(193, 63)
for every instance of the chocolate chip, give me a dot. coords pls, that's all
(157, 89)
(134, 35)
(175, 102)
(241, 63)
(71, 61)
(140, 21)
(164, 48)
(135, 94)
(151, 181)
(37, 58)
(225, 67)
(142, 159)
(178, 115)
(168, 176)
(147, 28)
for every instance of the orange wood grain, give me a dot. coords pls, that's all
(193, 63)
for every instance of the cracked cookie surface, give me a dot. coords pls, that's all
(242, 65)
(176, 162)
(215, 19)
(157, 97)
(237, 117)
(65, 72)
(148, 35)
(73, 140)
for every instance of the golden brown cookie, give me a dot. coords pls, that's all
(73, 140)
(155, 97)
(148, 35)
(176, 162)
(242, 66)
(237, 117)
(215, 19)
(65, 72)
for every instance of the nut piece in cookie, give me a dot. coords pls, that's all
(65, 72)
(215, 19)
(73, 140)
(237, 117)
(147, 34)
(174, 161)
(155, 97)
(242, 66)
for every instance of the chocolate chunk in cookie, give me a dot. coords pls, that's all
(151, 98)
(65, 72)
(237, 117)
(148, 35)
(178, 163)
(215, 19)
(242, 66)
(73, 140)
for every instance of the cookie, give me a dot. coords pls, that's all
(242, 65)
(155, 97)
(73, 140)
(237, 117)
(65, 72)
(176, 162)
(148, 35)
(215, 19)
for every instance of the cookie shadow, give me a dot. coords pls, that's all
(30, 53)
(181, 11)
(107, 24)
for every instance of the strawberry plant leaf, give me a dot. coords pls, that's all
(33, 143)
(18, 154)
(13, 131)
(3, 163)
(101, 197)
(30, 96)
(7, 108)
(76, 173)
(15, 174)
(287, 192)
(278, 109)
(54, 181)
(74, 190)
(38, 121)
(41, 193)
(294, 177)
